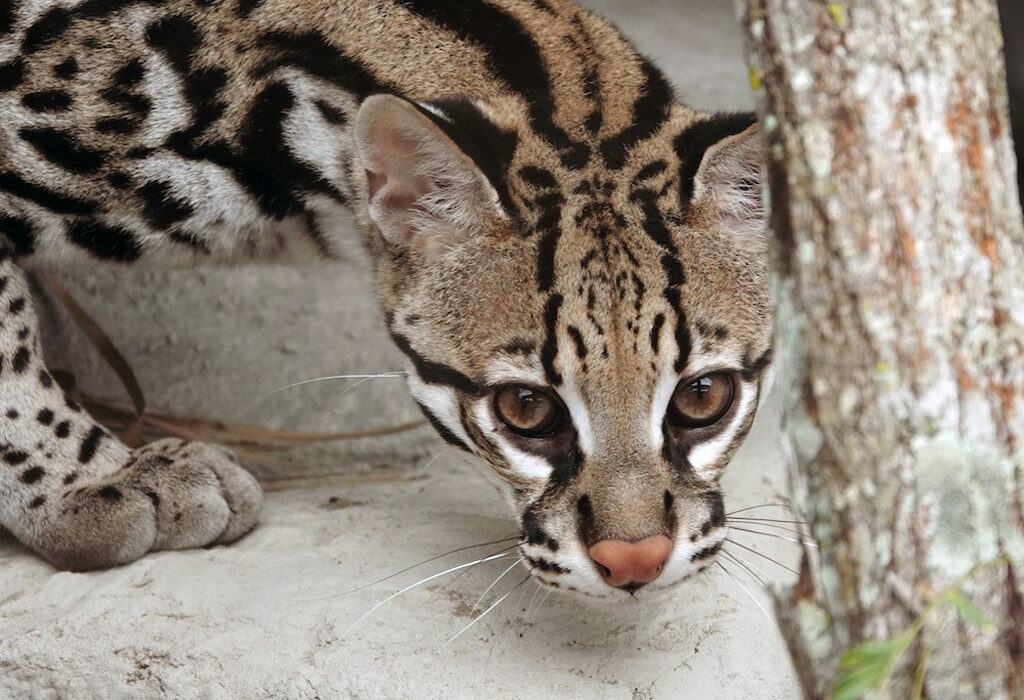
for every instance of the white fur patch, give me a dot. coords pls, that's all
(522, 463)
(441, 401)
(707, 454)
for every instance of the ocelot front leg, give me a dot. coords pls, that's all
(76, 494)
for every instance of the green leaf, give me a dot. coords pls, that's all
(866, 666)
(969, 611)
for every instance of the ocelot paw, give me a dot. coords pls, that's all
(171, 494)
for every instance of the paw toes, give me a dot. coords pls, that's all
(244, 497)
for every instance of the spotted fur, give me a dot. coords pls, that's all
(540, 208)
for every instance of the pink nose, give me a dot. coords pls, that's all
(631, 564)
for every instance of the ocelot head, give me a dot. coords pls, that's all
(593, 320)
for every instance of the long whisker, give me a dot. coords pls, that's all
(798, 530)
(743, 565)
(763, 505)
(542, 601)
(427, 561)
(479, 617)
(770, 520)
(476, 605)
(463, 573)
(744, 589)
(765, 556)
(428, 579)
(806, 543)
(333, 377)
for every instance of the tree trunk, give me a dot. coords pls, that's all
(899, 251)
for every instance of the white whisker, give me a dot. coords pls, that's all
(764, 556)
(806, 543)
(770, 520)
(744, 589)
(487, 590)
(428, 579)
(763, 505)
(750, 570)
(479, 617)
(333, 377)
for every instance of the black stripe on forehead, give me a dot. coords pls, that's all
(436, 373)
(693, 143)
(514, 56)
(487, 145)
(549, 351)
(649, 112)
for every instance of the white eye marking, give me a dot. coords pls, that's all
(573, 401)
(441, 401)
(707, 453)
(522, 463)
(516, 371)
(666, 386)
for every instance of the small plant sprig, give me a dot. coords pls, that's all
(869, 666)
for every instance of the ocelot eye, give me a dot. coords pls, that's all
(528, 411)
(700, 402)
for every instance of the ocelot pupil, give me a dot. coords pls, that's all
(527, 411)
(702, 401)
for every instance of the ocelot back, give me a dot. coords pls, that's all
(572, 261)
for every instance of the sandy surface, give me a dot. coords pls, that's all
(277, 615)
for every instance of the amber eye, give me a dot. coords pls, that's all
(528, 411)
(700, 402)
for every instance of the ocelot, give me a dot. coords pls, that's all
(573, 262)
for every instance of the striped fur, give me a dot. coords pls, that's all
(540, 208)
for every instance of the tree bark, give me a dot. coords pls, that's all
(899, 251)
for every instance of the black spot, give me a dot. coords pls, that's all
(532, 532)
(47, 101)
(119, 180)
(707, 552)
(584, 508)
(519, 346)
(721, 332)
(130, 74)
(20, 233)
(117, 125)
(331, 113)
(110, 493)
(32, 475)
(57, 203)
(552, 544)
(70, 478)
(538, 177)
(152, 496)
(105, 242)
(659, 321)
(17, 305)
(72, 404)
(11, 74)
(46, 29)
(245, 7)
(16, 457)
(668, 499)
(696, 139)
(137, 104)
(161, 207)
(577, 338)
(45, 416)
(62, 149)
(12, 413)
(650, 170)
(177, 37)
(716, 518)
(21, 359)
(7, 13)
(547, 566)
(89, 445)
(62, 429)
(23, 334)
(37, 501)
(66, 69)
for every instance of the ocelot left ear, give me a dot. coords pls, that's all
(727, 186)
(425, 192)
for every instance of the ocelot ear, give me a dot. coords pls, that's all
(425, 191)
(727, 186)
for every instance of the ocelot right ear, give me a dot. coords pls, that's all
(425, 192)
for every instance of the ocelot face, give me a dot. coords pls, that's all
(597, 336)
